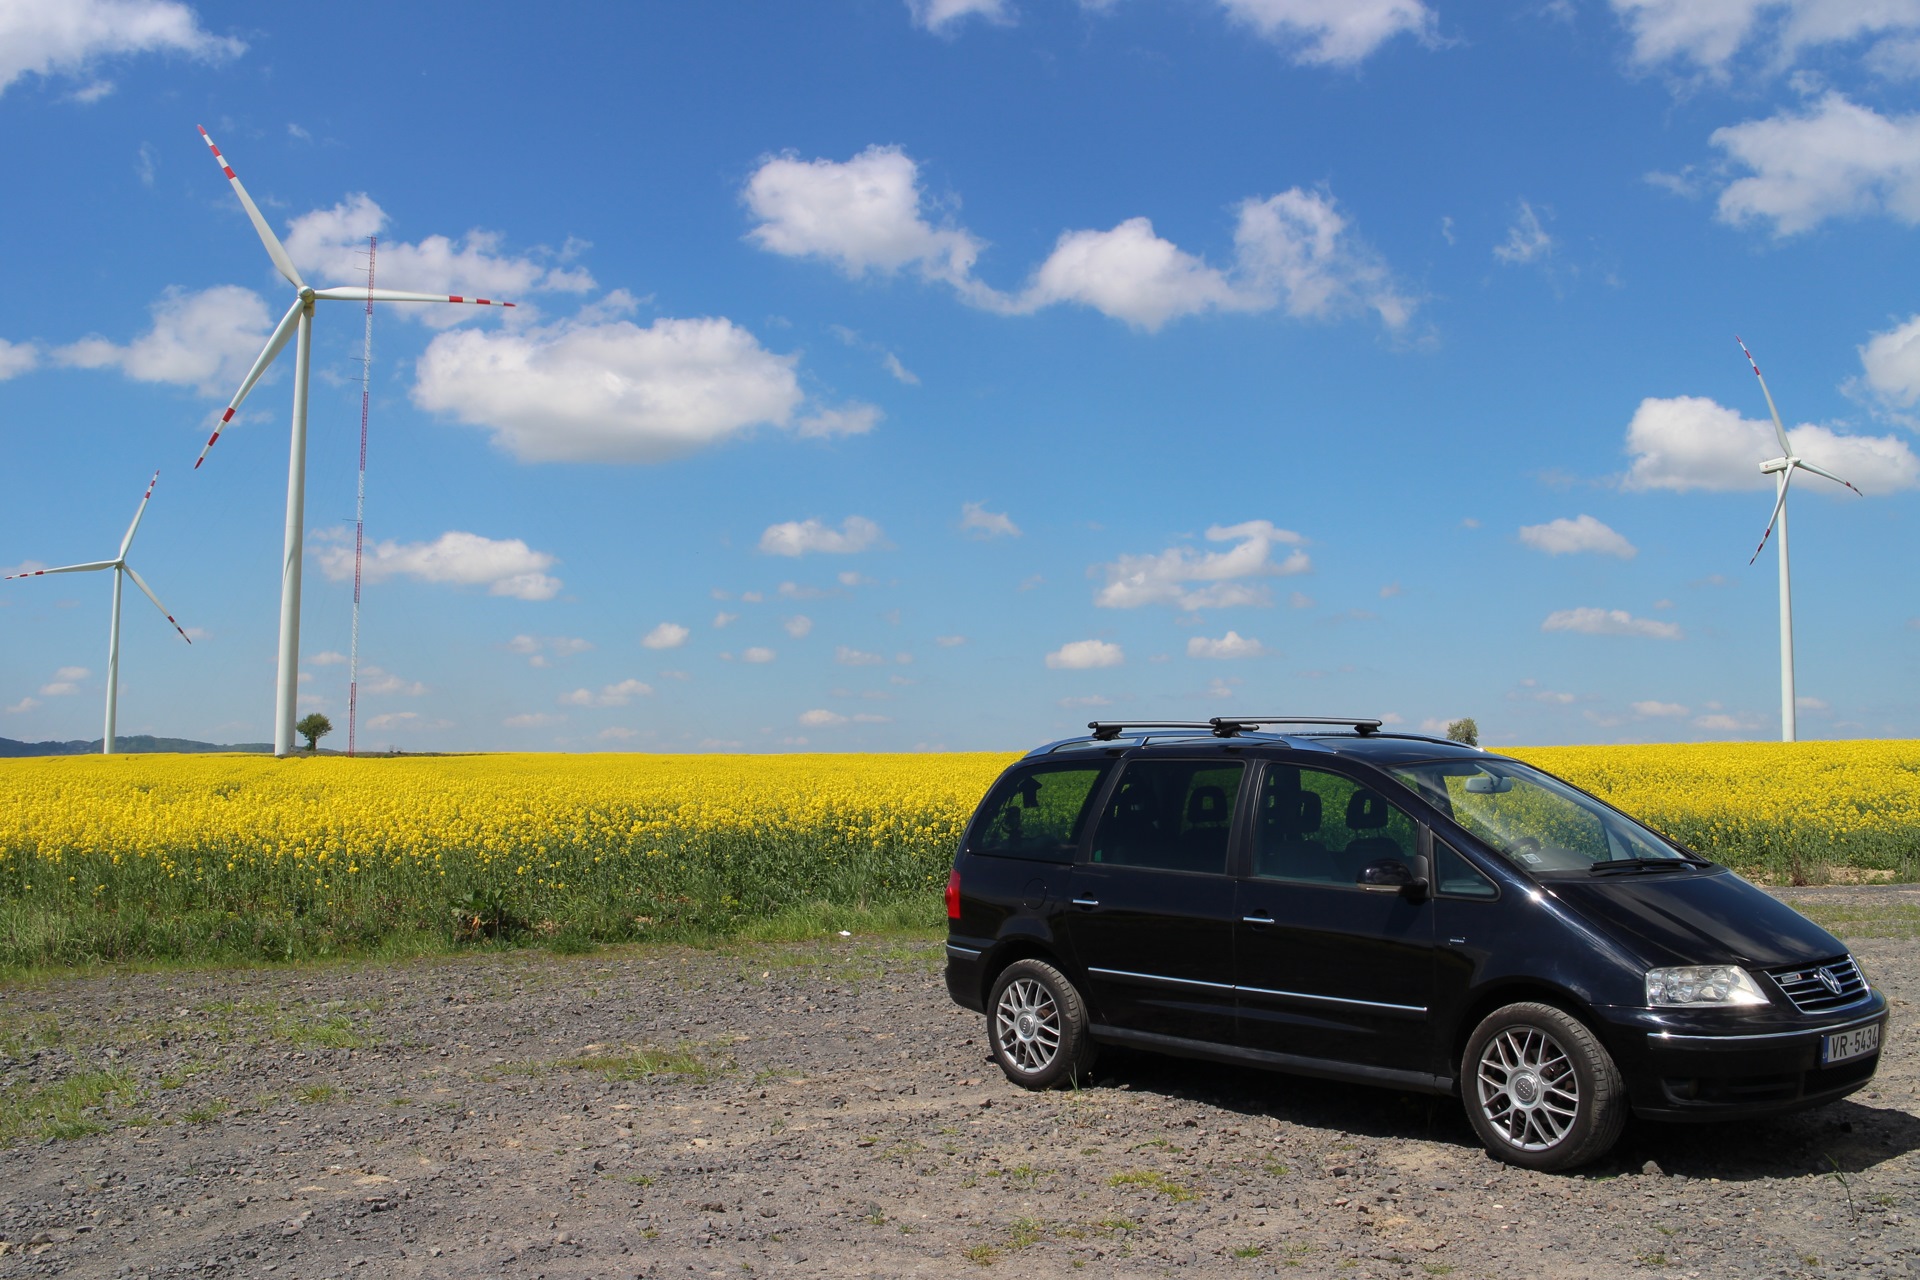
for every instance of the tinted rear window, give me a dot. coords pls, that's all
(1039, 812)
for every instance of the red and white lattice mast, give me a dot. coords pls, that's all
(360, 505)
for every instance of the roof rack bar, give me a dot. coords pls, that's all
(1108, 730)
(1228, 726)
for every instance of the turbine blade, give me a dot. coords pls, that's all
(360, 293)
(1821, 471)
(1786, 450)
(128, 540)
(274, 248)
(1779, 503)
(282, 334)
(140, 582)
(65, 568)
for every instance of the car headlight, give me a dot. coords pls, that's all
(1702, 986)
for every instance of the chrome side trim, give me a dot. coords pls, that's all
(1658, 1037)
(1367, 1004)
(1419, 1009)
(1161, 978)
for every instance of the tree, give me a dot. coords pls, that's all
(1461, 730)
(315, 726)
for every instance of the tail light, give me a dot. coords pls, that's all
(953, 894)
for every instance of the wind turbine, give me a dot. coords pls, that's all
(121, 570)
(299, 319)
(1782, 469)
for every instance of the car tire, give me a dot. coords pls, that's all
(1541, 1090)
(1037, 1027)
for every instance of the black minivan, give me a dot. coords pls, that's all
(1321, 897)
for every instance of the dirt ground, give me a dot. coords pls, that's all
(822, 1109)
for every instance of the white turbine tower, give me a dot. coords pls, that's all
(299, 318)
(121, 570)
(1782, 469)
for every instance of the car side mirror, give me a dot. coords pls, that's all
(1391, 875)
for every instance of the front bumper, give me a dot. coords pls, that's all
(1683, 1064)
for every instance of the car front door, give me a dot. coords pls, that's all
(1325, 968)
(1151, 914)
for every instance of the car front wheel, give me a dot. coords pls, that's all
(1540, 1088)
(1037, 1026)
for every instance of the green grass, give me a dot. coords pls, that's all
(1156, 1182)
(73, 1108)
(697, 1061)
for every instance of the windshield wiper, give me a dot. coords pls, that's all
(1646, 864)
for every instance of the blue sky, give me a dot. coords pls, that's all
(945, 374)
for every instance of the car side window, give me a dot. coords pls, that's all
(1039, 813)
(1455, 877)
(1322, 827)
(1174, 815)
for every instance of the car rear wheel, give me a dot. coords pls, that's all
(1540, 1088)
(1037, 1026)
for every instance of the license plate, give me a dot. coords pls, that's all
(1853, 1043)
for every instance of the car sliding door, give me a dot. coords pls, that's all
(1327, 969)
(1151, 912)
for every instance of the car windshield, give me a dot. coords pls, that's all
(1538, 821)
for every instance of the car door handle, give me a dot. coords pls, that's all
(1086, 902)
(1262, 918)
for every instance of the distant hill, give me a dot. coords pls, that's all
(126, 744)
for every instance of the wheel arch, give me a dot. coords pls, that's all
(1516, 991)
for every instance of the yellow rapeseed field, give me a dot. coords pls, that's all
(623, 845)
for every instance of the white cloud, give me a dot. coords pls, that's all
(854, 418)
(1089, 700)
(1891, 361)
(939, 15)
(1691, 442)
(617, 733)
(1527, 241)
(206, 340)
(613, 392)
(867, 215)
(757, 654)
(977, 520)
(394, 720)
(25, 704)
(949, 642)
(68, 37)
(612, 695)
(376, 680)
(17, 358)
(329, 246)
(1812, 704)
(899, 371)
(1725, 723)
(1835, 159)
(1570, 537)
(797, 626)
(1231, 645)
(72, 673)
(668, 635)
(505, 566)
(1169, 577)
(329, 658)
(1609, 622)
(58, 688)
(531, 648)
(863, 216)
(722, 618)
(821, 718)
(798, 537)
(1653, 709)
(850, 657)
(1709, 34)
(1082, 655)
(532, 720)
(1333, 32)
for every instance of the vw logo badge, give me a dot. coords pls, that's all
(1828, 981)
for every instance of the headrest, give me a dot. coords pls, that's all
(1207, 805)
(1366, 811)
(1294, 813)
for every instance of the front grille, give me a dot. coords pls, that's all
(1819, 988)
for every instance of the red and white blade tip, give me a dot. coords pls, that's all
(225, 418)
(1748, 354)
(150, 484)
(224, 166)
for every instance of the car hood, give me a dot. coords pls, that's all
(1683, 917)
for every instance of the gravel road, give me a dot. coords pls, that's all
(822, 1109)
